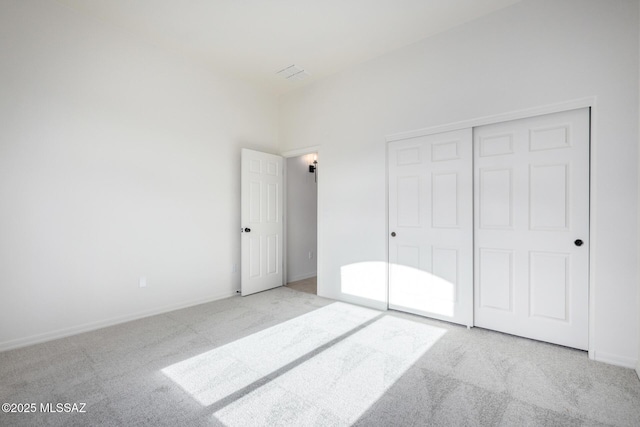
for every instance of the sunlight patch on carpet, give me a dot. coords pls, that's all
(214, 375)
(338, 385)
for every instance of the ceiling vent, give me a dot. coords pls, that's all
(293, 73)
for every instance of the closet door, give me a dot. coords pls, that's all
(430, 226)
(531, 215)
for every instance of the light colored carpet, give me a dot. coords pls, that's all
(284, 357)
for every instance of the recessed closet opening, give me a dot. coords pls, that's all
(489, 226)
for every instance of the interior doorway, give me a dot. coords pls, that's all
(301, 209)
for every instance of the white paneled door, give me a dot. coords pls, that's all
(531, 214)
(431, 226)
(261, 221)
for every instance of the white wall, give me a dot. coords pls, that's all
(117, 160)
(638, 361)
(535, 53)
(302, 194)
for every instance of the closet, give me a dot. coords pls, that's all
(489, 226)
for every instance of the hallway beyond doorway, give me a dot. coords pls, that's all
(309, 285)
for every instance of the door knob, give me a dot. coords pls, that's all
(578, 242)
(393, 234)
(247, 230)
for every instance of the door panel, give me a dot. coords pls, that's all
(444, 200)
(495, 281)
(548, 197)
(496, 200)
(548, 290)
(430, 212)
(261, 214)
(408, 201)
(532, 203)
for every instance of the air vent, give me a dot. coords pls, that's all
(293, 73)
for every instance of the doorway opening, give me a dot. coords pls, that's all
(301, 225)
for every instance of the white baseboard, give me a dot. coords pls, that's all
(301, 277)
(92, 326)
(614, 359)
(363, 302)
